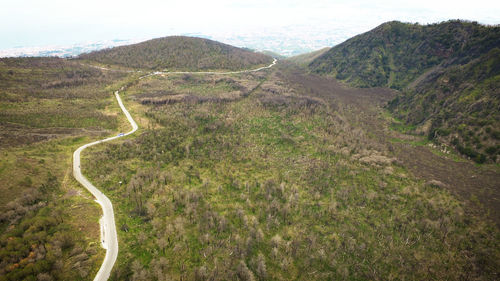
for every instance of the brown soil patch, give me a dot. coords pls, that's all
(465, 179)
(15, 135)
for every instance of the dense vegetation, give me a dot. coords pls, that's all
(394, 54)
(180, 53)
(459, 106)
(48, 224)
(448, 74)
(275, 183)
(40, 240)
(272, 175)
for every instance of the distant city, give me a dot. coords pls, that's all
(282, 42)
(62, 50)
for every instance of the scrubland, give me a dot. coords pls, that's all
(279, 175)
(49, 224)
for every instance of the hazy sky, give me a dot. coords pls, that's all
(51, 22)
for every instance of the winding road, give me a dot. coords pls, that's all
(109, 238)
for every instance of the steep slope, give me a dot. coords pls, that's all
(307, 58)
(448, 75)
(458, 105)
(179, 53)
(395, 53)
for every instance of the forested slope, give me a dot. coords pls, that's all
(448, 75)
(396, 53)
(458, 106)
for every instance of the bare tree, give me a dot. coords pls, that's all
(261, 267)
(244, 273)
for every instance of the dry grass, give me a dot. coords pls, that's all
(291, 182)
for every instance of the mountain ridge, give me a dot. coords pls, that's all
(395, 53)
(446, 74)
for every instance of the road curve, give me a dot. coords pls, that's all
(109, 238)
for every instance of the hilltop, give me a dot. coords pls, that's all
(179, 53)
(448, 75)
(395, 53)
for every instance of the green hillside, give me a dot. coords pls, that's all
(48, 224)
(307, 58)
(448, 74)
(179, 53)
(396, 53)
(459, 106)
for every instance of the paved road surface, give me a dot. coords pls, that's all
(109, 239)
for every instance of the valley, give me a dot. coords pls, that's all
(247, 168)
(174, 155)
